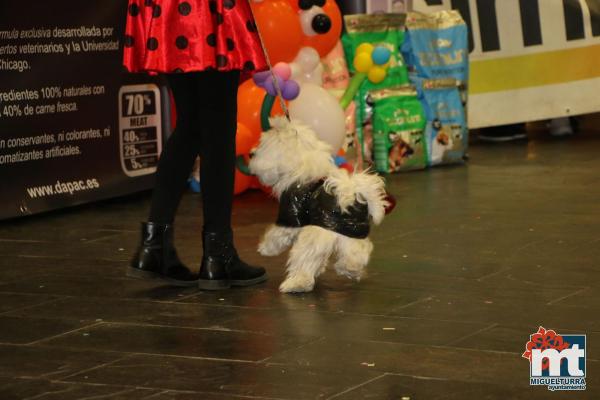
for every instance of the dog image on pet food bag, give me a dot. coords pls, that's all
(399, 125)
(446, 131)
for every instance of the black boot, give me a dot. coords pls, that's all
(156, 258)
(222, 268)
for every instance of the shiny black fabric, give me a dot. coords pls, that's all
(294, 205)
(303, 205)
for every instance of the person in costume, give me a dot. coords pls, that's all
(202, 46)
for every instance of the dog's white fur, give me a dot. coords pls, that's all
(291, 153)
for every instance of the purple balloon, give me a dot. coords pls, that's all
(291, 90)
(260, 77)
(270, 86)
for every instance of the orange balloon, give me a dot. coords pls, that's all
(242, 182)
(250, 100)
(324, 43)
(280, 28)
(245, 140)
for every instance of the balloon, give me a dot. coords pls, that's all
(381, 55)
(270, 85)
(242, 182)
(365, 48)
(377, 74)
(317, 108)
(250, 99)
(283, 70)
(291, 90)
(363, 62)
(272, 18)
(308, 59)
(260, 77)
(324, 42)
(245, 140)
(297, 71)
(315, 76)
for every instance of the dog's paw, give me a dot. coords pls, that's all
(266, 249)
(297, 284)
(355, 275)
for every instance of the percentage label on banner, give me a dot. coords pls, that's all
(12, 110)
(54, 92)
(140, 129)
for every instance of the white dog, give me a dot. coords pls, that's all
(323, 210)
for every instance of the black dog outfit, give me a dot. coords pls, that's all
(303, 205)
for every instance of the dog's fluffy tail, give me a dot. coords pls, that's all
(363, 187)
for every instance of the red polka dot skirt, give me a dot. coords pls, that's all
(169, 36)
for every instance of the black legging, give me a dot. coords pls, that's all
(206, 126)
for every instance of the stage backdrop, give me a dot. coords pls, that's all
(73, 127)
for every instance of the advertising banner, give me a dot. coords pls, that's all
(530, 59)
(73, 127)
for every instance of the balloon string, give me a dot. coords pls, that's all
(268, 60)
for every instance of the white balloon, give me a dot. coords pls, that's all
(297, 72)
(308, 58)
(315, 76)
(318, 109)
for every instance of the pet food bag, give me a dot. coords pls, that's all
(436, 46)
(399, 124)
(378, 30)
(446, 131)
(364, 114)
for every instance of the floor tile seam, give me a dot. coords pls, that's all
(471, 334)
(445, 347)
(149, 302)
(412, 303)
(84, 296)
(232, 396)
(575, 293)
(541, 286)
(104, 396)
(146, 354)
(62, 257)
(492, 274)
(63, 297)
(52, 392)
(185, 297)
(46, 302)
(452, 379)
(95, 367)
(265, 361)
(350, 389)
(102, 238)
(163, 390)
(46, 339)
(9, 240)
(210, 329)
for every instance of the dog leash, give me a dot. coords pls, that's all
(278, 89)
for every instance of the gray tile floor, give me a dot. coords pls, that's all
(471, 262)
